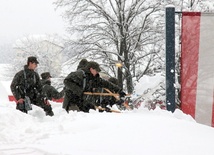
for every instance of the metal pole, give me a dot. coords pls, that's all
(170, 58)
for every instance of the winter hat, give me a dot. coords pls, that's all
(46, 75)
(82, 63)
(32, 59)
(94, 65)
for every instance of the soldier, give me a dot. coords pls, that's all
(26, 88)
(82, 64)
(85, 80)
(47, 89)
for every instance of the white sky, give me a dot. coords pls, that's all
(23, 17)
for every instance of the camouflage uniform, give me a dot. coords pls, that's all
(47, 90)
(75, 88)
(104, 101)
(33, 88)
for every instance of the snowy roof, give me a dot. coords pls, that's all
(53, 39)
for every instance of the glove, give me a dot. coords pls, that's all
(122, 94)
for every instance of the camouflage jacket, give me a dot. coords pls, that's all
(31, 86)
(83, 81)
(49, 91)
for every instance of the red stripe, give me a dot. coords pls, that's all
(189, 59)
(191, 14)
(12, 98)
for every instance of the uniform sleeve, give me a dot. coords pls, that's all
(38, 83)
(15, 86)
(99, 82)
(109, 85)
(56, 94)
(74, 82)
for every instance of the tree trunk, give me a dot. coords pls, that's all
(129, 82)
(120, 77)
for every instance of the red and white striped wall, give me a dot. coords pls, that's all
(197, 66)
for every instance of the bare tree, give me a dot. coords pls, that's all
(6, 51)
(47, 48)
(126, 31)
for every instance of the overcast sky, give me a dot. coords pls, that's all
(23, 17)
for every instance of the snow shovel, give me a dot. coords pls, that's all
(125, 103)
(117, 96)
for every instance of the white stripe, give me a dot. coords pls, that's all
(205, 82)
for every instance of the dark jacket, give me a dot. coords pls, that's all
(104, 101)
(31, 84)
(81, 81)
(49, 91)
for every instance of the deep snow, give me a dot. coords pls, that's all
(137, 132)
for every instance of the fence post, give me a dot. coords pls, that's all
(170, 57)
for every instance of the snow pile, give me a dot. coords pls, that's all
(137, 132)
(131, 132)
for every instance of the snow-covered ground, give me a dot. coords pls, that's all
(137, 132)
(131, 132)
